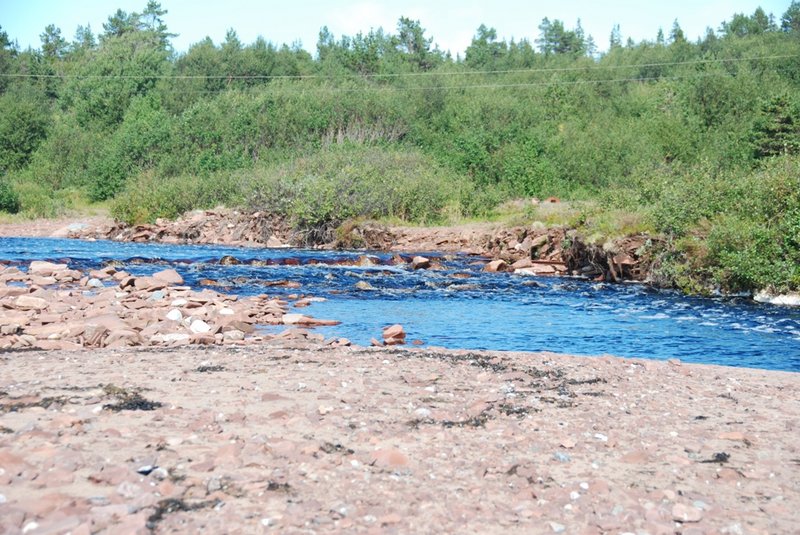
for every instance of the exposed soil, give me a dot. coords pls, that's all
(300, 439)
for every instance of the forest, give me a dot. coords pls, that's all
(695, 141)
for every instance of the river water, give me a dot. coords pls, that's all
(460, 306)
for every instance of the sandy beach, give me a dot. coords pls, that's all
(300, 438)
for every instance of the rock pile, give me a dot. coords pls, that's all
(523, 250)
(220, 226)
(54, 307)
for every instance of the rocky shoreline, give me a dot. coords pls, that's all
(526, 250)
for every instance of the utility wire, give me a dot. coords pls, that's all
(391, 75)
(386, 88)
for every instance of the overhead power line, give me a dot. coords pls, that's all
(393, 75)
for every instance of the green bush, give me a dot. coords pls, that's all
(319, 192)
(9, 200)
(148, 196)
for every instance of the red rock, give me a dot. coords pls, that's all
(390, 458)
(300, 319)
(685, 513)
(123, 338)
(735, 436)
(169, 276)
(149, 284)
(394, 331)
(537, 269)
(420, 262)
(496, 266)
(522, 263)
(45, 269)
(27, 302)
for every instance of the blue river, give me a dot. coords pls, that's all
(460, 306)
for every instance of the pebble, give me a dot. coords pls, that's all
(685, 513)
(175, 315)
(561, 457)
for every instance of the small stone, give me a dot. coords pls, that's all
(389, 458)
(233, 335)
(94, 283)
(174, 315)
(556, 527)
(561, 457)
(684, 513)
(200, 327)
(420, 262)
(496, 266)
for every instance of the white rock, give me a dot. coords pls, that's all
(233, 336)
(790, 299)
(175, 337)
(291, 319)
(200, 327)
(179, 302)
(174, 315)
(226, 312)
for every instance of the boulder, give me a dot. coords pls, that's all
(174, 315)
(496, 266)
(233, 336)
(420, 262)
(394, 335)
(148, 284)
(300, 319)
(28, 302)
(169, 276)
(45, 269)
(94, 334)
(537, 269)
(123, 338)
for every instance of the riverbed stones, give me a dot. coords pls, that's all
(28, 302)
(45, 269)
(169, 276)
(496, 266)
(420, 262)
(140, 311)
(394, 335)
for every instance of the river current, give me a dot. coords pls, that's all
(460, 306)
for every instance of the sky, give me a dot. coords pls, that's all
(452, 23)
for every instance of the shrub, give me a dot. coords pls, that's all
(319, 192)
(9, 200)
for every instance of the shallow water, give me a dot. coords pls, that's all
(462, 307)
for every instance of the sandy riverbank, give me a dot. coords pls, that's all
(304, 439)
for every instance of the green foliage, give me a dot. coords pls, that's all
(24, 118)
(9, 200)
(149, 196)
(319, 192)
